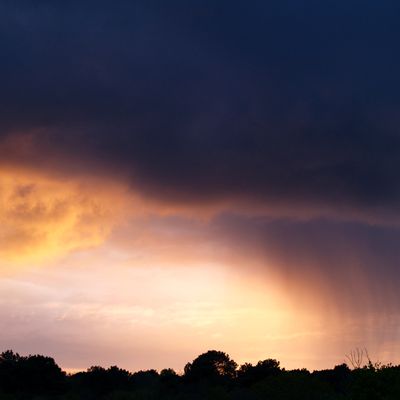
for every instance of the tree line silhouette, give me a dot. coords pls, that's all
(212, 375)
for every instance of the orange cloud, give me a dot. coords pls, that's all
(42, 218)
(45, 215)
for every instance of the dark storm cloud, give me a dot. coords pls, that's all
(274, 101)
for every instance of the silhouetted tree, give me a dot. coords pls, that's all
(339, 377)
(248, 374)
(34, 374)
(149, 377)
(211, 366)
(169, 378)
(100, 380)
(8, 370)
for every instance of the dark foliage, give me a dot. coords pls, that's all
(213, 366)
(212, 375)
(33, 374)
(249, 374)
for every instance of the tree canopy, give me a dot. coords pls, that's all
(211, 375)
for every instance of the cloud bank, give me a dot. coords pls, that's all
(274, 104)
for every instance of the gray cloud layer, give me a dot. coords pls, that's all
(285, 102)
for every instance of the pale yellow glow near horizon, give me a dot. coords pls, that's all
(140, 312)
(116, 308)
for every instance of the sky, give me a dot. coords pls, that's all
(183, 176)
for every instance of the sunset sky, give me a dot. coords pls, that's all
(178, 176)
